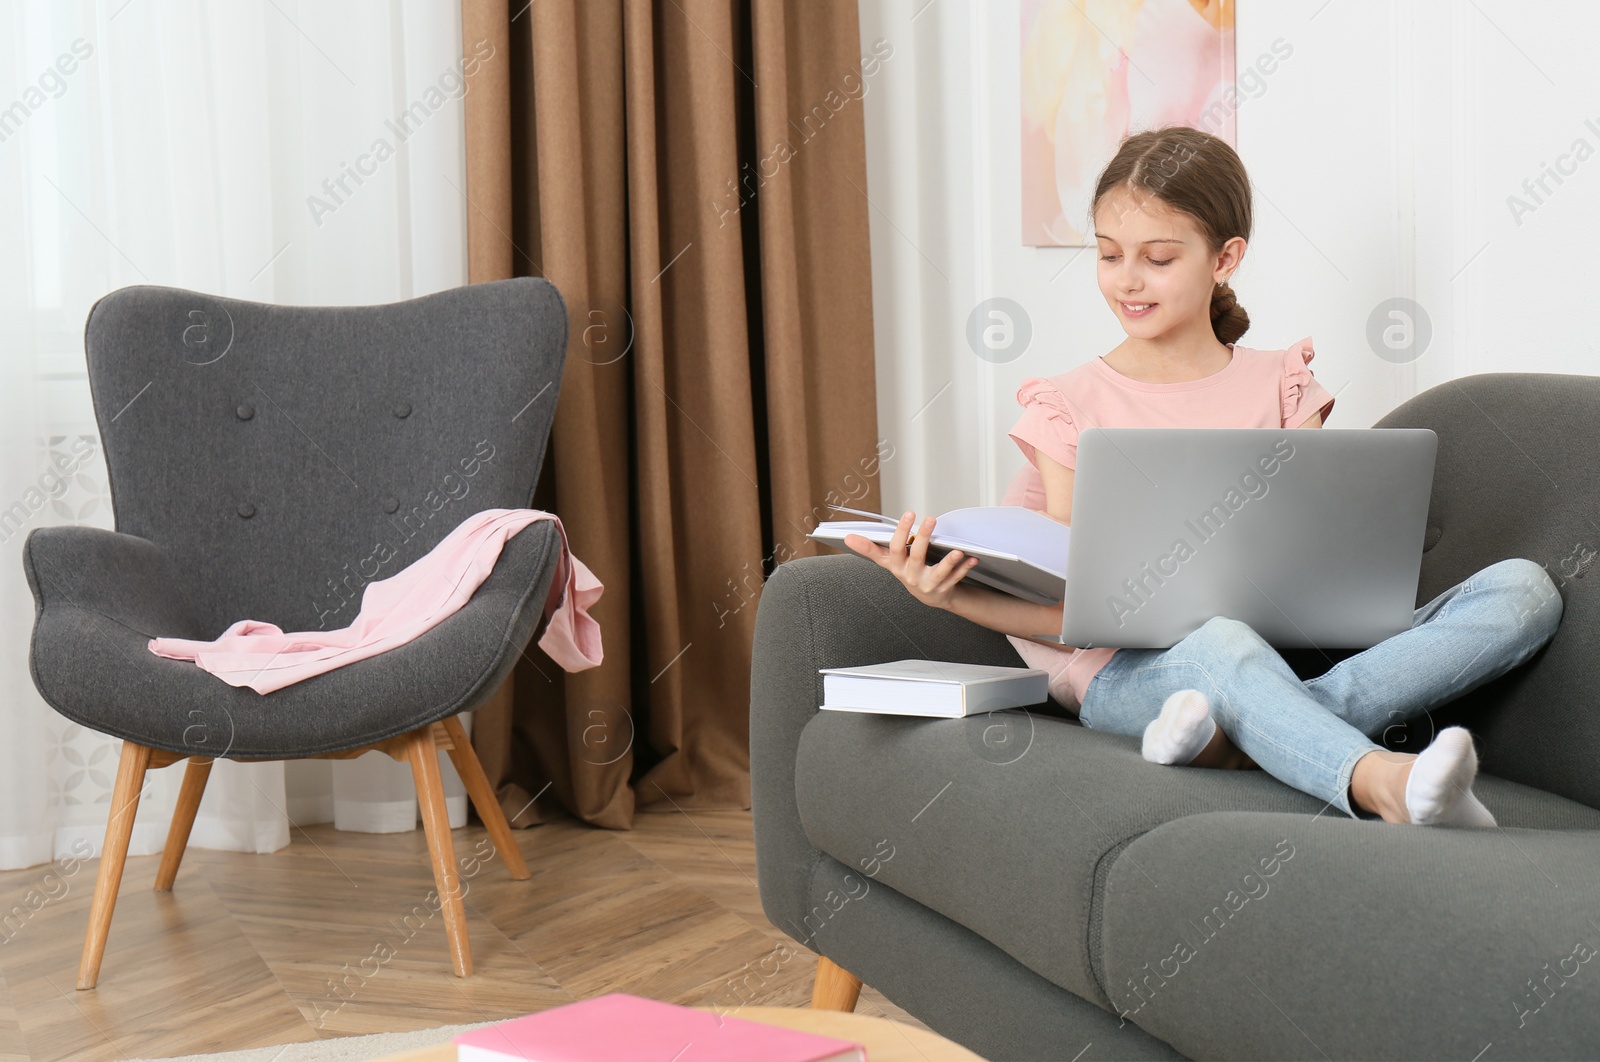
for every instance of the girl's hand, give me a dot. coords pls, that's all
(931, 585)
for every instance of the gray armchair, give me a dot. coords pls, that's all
(266, 462)
(1035, 890)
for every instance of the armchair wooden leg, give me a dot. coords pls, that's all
(836, 988)
(194, 787)
(483, 798)
(423, 753)
(114, 853)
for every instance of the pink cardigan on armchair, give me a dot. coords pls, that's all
(402, 607)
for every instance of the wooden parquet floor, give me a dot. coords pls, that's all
(333, 936)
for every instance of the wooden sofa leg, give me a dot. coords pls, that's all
(836, 988)
(483, 798)
(194, 787)
(424, 756)
(113, 854)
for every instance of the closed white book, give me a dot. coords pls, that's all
(935, 688)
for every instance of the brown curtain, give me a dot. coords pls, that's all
(691, 175)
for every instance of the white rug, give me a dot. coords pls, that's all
(335, 1049)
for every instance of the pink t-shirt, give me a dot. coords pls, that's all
(1257, 389)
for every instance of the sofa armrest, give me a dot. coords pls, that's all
(840, 610)
(122, 578)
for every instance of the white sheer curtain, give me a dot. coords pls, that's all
(272, 150)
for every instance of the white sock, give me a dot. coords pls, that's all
(1181, 731)
(1439, 790)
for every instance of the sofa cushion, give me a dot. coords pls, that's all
(999, 822)
(1250, 935)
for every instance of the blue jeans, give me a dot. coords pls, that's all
(1310, 734)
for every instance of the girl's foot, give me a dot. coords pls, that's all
(1182, 730)
(1438, 786)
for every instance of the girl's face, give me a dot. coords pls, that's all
(1155, 270)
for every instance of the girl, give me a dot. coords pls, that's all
(1172, 216)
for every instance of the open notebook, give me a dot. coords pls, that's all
(1020, 551)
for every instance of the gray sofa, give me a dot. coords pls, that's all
(1035, 890)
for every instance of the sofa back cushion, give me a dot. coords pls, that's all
(1516, 477)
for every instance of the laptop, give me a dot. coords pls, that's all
(1312, 537)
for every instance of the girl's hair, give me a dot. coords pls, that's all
(1200, 175)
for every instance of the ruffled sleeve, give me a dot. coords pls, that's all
(1303, 396)
(1046, 425)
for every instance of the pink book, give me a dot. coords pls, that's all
(618, 1026)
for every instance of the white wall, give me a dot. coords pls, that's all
(1382, 152)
